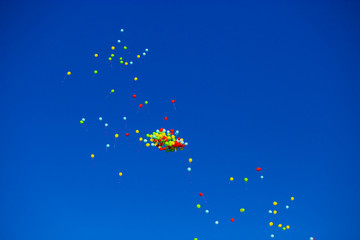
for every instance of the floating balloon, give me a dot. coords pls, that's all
(173, 101)
(233, 219)
(146, 102)
(246, 179)
(127, 134)
(140, 105)
(258, 169)
(190, 160)
(125, 47)
(120, 174)
(68, 73)
(284, 228)
(100, 118)
(112, 48)
(119, 41)
(242, 209)
(201, 194)
(134, 96)
(81, 121)
(106, 124)
(231, 179)
(292, 198)
(110, 58)
(148, 144)
(165, 118)
(198, 206)
(112, 90)
(275, 212)
(138, 56)
(271, 223)
(92, 155)
(95, 71)
(107, 145)
(116, 135)
(287, 227)
(96, 55)
(140, 139)
(124, 118)
(189, 169)
(261, 177)
(207, 211)
(287, 206)
(166, 140)
(137, 131)
(275, 203)
(270, 211)
(121, 30)
(135, 78)
(280, 225)
(216, 222)
(272, 235)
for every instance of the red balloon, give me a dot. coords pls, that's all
(173, 101)
(233, 219)
(127, 134)
(165, 118)
(161, 129)
(258, 169)
(140, 106)
(201, 194)
(134, 96)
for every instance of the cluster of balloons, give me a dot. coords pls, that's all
(166, 140)
(275, 212)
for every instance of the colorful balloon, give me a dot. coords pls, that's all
(246, 179)
(112, 48)
(216, 222)
(120, 174)
(92, 155)
(140, 105)
(68, 73)
(275, 203)
(292, 198)
(271, 223)
(96, 55)
(242, 210)
(198, 206)
(233, 219)
(231, 179)
(137, 131)
(135, 78)
(95, 71)
(172, 101)
(258, 169)
(190, 160)
(134, 96)
(127, 134)
(146, 102)
(201, 194)
(189, 169)
(165, 118)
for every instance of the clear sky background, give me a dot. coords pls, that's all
(257, 84)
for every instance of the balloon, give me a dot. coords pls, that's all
(112, 90)
(96, 55)
(261, 177)
(134, 96)
(124, 118)
(231, 179)
(287, 206)
(110, 58)
(207, 211)
(135, 78)
(140, 105)
(165, 118)
(275, 203)
(189, 169)
(198, 206)
(112, 48)
(144, 54)
(216, 222)
(270, 211)
(126, 63)
(112, 55)
(137, 131)
(92, 155)
(242, 209)
(125, 47)
(69, 73)
(140, 139)
(148, 144)
(173, 101)
(120, 174)
(200, 194)
(121, 30)
(275, 212)
(272, 235)
(287, 226)
(190, 160)
(292, 198)
(81, 121)
(100, 118)
(280, 225)
(146, 102)
(107, 145)
(233, 219)
(121, 62)
(258, 169)
(195, 239)
(106, 124)
(131, 62)
(284, 228)
(119, 41)
(246, 179)
(271, 223)
(95, 71)
(138, 56)
(312, 238)
(127, 134)
(116, 135)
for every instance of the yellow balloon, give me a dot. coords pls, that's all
(137, 131)
(280, 225)
(140, 139)
(231, 179)
(69, 73)
(126, 63)
(287, 226)
(275, 212)
(135, 78)
(271, 223)
(190, 159)
(292, 198)
(96, 55)
(148, 144)
(112, 48)
(138, 56)
(116, 135)
(92, 155)
(120, 174)
(275, 203)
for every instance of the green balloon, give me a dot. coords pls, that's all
(112, 55)
(125, 47)
(242, 209)
(112, 90)
(284, 228)
(246, 179)
(121, 62)
(95, 71)
(198, 206)
(146, 102)
(110, 58)
(120, 58)
(81, 121)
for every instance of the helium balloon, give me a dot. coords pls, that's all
(100, 118)
(198, 206)
(312, 238)
(68, 73)
(189, 169)
(131, 62)
(148, 144)
(233, 219)
(173, 101)
(112, 55)
(96, 55)
(107, 145)
(275, 203)
(138, 56)
(287, 226)
(121, 62)
(216, 222)
(119, 41)
(165, 118)
(207, 211)
(261, 177)
(201, 194)
(125, 47)
(137, 131)
(106, 124)
(134, 96)
(275, 212)
(126, 63)
(195, 239)
(127, 134)
(121, 30)
(258, 169)
(140, 139)
(242, 209)
(280, 225)
(245, 179)
(231, 179)
(112, 90)
(272, 235)
(120, 174)
(190, 160)
(270, 211)
(144, 54)
(95, 71)
(116, 135)
(146, 102)
(110, 58)
(284, 228)
(287, 206)
(140, 105)
(135, 78)
(292, 198)
(81, 121)
(124, 118)
(112, 48)
(271, 223)
(92, 155)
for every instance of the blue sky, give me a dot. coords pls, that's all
(257, 84)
